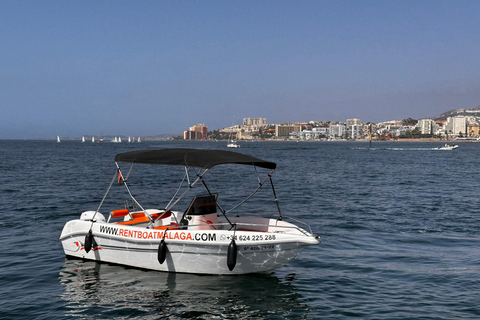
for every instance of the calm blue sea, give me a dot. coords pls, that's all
(400, 229)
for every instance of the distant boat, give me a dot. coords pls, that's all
(139, 140)
(93, 139)
(83, 139)
(58, 139)
(232, 143)
(448, 147)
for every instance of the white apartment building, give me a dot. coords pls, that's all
(254, 122)
(315, 133)
(425, 126)
(355, 131)
(456, 125)
(337, 131)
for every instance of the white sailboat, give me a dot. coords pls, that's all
(58, 139)
(93, 139)
(83, 139)
(232, 143)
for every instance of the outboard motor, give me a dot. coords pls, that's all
(89, 215)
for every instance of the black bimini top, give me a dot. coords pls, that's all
(200, 158)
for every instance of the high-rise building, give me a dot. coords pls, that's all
(351, 122)
(197, 132)
(285, 130)
(254, 122)
(355, 130)
(456, 125)
(337, 130)
(459, 125)
(192, 135)
(425, 126)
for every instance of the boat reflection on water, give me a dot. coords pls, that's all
(101, 290)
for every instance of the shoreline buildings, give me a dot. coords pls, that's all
(454, 126)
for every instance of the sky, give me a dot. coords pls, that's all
(74, 68)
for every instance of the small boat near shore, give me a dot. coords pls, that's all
(448, 147)
(202, 238)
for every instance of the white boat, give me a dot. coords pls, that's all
(448, 147)
(232, 144)
(93, 139)
(83, 139)
(203, 238)
(58, 139)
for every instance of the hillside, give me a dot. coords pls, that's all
(458, 112)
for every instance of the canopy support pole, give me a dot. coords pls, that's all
(89, 236)
(275, 196)
(104, 197)
(190, 186)
(130, 193)
(255, 191)
(217, 204)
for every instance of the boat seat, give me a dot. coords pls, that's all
(163, 215)
(137, 220)
(172, 226)
(118, 214)
(138, 217)
(202, 205)
(201, 213)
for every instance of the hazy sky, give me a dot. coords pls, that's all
(73, 68)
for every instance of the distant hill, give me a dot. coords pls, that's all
(458, 112)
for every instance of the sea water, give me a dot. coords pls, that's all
(399, 224)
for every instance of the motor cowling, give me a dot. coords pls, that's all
(90, 215)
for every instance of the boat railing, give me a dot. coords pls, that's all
(249, 226)
(300, 222)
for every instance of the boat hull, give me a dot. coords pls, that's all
(188, 251)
